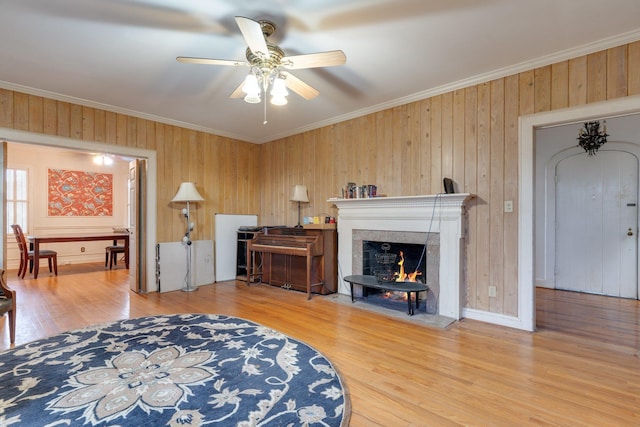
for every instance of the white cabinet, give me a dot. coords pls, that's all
(171, 269)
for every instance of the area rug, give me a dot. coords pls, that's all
(177, 370)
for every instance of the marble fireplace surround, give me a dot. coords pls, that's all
(444, 214)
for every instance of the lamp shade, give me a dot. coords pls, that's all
(187, 193)
(300, 194)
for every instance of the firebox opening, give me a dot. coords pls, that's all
(413, 257)
(393, 261)
(365, 244)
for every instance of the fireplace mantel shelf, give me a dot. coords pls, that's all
(419, 198)
(455, 199)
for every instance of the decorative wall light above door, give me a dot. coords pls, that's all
(591, 137)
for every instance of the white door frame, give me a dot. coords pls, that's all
(13, 135)
(526, 245)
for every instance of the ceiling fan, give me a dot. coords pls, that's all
(268, 64)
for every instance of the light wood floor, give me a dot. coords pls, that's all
(582, 367)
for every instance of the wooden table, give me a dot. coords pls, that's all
(35, 241)
(373, 283)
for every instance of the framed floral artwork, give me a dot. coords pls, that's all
(77, 193)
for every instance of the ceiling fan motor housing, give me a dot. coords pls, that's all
(272, 61)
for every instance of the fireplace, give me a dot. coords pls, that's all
(438, 220)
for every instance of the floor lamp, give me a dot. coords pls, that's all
(188, 193)
(300, 195)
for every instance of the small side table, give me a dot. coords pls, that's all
(373, 283)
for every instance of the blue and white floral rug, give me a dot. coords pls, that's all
(177, 370)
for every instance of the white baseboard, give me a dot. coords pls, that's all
(494, 318)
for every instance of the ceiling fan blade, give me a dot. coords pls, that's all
(207, 61)
(314, 60)
(252, 33)
(238, 93)
(299, 87)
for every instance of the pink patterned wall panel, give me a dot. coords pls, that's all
(76, 193)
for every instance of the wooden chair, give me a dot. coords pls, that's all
(111, 255)
(8, 305)
(26, 256)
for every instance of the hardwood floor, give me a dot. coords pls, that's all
(582, 367)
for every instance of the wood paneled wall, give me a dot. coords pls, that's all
(470, 135)
(224, 170)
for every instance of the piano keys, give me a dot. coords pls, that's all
(295, 258)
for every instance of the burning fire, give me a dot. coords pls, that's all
(401, 276)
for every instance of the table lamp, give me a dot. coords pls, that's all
(188, 193)
(300, 195)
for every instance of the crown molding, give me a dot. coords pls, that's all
(112, 108)
(563, 55)
(553, 58)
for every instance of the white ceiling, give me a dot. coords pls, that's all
(120, 54)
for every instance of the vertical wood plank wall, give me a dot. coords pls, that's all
(470, 135)
(224, 170)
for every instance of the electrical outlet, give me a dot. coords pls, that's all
(508, 205)
(493, 291)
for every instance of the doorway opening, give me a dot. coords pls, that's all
(10, 135)
(527, 188)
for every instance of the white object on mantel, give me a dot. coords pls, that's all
(411, 214)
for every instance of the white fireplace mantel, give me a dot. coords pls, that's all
(440, 213)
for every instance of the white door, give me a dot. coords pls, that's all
(596, 224)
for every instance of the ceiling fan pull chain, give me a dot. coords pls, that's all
(265, 109)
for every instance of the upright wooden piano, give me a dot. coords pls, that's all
(295, 258)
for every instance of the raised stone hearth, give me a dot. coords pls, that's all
(443, 214)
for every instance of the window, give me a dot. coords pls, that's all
(16, 199)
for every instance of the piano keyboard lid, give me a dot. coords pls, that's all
(259, 228)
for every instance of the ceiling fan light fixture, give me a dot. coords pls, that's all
(279, 88)
(279, 100)
(250, 86)
(279, 92)
(252, 98)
